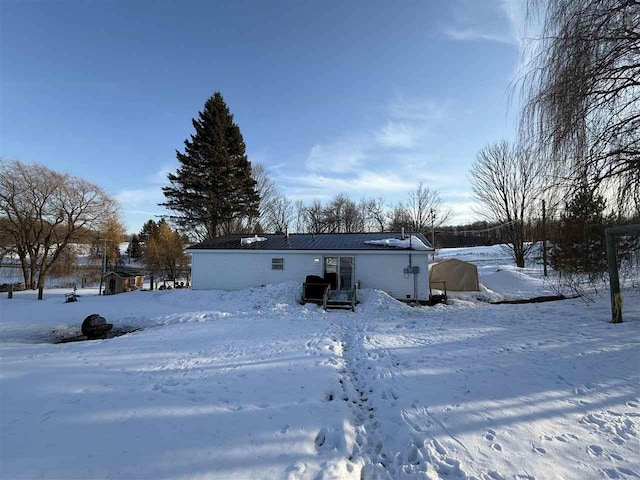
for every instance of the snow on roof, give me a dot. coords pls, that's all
(308, 241)
(251, 240)
(412, 243)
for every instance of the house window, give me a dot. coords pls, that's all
(277, 264)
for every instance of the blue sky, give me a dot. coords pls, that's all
(366, 98)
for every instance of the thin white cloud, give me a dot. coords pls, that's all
(417, 109)
(387, 160)
(150, 213)
(140, 196)
(365, 181)
(463, 212)
(470, 34)
(397, 134)
(502, 21)
(337, 157)
(160, 177)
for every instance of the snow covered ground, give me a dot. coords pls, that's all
(251, 384)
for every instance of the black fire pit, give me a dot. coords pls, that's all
(94, 326)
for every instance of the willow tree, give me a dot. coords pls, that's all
(582, 94)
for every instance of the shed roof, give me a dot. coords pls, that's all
(307, 241)
(120, 274)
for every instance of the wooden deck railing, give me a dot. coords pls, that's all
(354, 296)
(325, 297)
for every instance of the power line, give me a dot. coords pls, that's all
(484, 230)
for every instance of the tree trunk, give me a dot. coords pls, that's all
(25, 270)
(33, 268)
(42, 276)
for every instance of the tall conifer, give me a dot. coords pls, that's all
(213, 187)
(579, 247)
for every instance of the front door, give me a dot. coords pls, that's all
(339, 271)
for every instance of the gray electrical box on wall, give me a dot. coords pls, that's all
(414, 270)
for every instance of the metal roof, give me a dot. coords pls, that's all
(307, 241)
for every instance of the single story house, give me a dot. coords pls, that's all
(393, 262)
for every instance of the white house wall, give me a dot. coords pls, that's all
(234, 271)
(225, 270)
(386, 272)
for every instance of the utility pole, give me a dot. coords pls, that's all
(104, 266)
(433, 230)
(544, 237)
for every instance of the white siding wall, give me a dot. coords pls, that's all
(233, 271)
(224, 270)
(386, 272)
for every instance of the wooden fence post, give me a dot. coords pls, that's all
(614, 280)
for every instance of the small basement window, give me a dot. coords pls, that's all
(277, 264)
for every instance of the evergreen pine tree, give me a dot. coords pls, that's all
(149, 227)
(213, 187)
(134, 250)
(579, 247)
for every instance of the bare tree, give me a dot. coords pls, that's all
(506, 182)
(267, 191)
(377, 212)
(333, 214)
(6, 240)
(44, 211)
(583, 94)
(342, 215)
(315, 218)
(367, 223)
(426, 209)
(423, 211)
(399, 218)
(352, 218)
(300, 216)
(279, 215)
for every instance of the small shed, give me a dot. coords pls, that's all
(119, 282)
(454, 275)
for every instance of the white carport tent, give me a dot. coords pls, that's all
(458, 276)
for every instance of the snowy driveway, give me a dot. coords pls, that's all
(252, 385)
